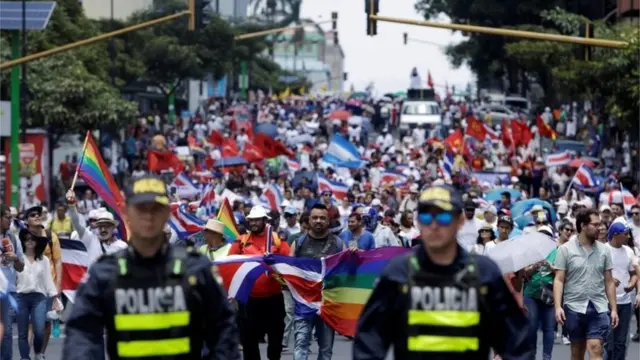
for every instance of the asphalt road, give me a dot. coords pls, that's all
(341, 350)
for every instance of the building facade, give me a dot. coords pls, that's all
(101, 9)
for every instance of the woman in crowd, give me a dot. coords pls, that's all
(486, 237)
(34, 286)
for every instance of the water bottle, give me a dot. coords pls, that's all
(56, 328)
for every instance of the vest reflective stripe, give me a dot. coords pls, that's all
(444, 318)
(144, 348)
(434, 343)
(153, 321)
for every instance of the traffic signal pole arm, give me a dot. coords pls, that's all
(507, 32)
(275, 31)
(9, 64)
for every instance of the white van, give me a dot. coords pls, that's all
(419, 112)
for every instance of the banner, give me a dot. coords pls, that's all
(34, 167)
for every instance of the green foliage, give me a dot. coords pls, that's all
(68, 92)
(610, 79)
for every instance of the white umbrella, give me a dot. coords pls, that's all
(521, 251)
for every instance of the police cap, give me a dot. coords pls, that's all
(147, 189)
(444, 197)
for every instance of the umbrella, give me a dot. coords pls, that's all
(521, 251)
(519, 211)
(231, 161)
(340, 115)
(495, 194)
(576, 163)
(268, 129)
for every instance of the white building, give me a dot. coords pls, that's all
(101, 9)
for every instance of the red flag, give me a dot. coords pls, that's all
(507, 134)
(429, 80)
(454, 141)
(521, 132)
(475, 128)
(544, 129)
(252, 153)
(246, 125)
(270, 147)
(162, 160)
(216, 138)
(230, 148)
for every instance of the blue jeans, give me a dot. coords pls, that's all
(289, 308)
(303, 330)
(616, 346)
(32, 307)
(6, 351)
(541, 316)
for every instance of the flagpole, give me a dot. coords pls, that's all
(84, 150)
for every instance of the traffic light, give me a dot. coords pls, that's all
(334, 27)
(345, 76)
(196, 18)
(586, 31)
(372, 7)
(405, 36)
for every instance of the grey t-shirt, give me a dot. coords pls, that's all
(584, 279)
(316, 248)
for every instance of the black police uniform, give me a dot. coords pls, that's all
(454, 312)
(165, 307)
(386, 319)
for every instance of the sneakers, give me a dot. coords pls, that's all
(565, 340)
(636, 337)
(39, 357)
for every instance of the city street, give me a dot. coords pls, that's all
(342, 350)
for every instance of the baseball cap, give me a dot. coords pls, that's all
(147, 189)
(505, 218)
(617, 228)
(470, 205)
(444, 197)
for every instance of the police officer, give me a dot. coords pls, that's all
(156, 301)
(438, 301)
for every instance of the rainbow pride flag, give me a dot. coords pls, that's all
(348, 281)
(225, 216)
(95, 173)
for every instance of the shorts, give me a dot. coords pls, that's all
(587, 326)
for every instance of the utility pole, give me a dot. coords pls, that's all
(23, 81)
(243, 79)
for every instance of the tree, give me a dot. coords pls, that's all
(485, 54)
(69, 92)
(610, 80)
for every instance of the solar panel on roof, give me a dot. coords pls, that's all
(37, 15)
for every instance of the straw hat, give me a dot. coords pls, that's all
(215, 226)
(105, 217)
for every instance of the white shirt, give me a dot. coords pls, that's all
(94, 246)
(622, 259)
(635, 231)
(468, 234)
(36, 277)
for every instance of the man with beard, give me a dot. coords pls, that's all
(582, 286)
(317, 243)
(100, 241)
(264, 311)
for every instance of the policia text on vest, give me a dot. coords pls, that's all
(454, 312)
(164, 308)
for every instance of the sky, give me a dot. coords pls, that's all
(384, 60)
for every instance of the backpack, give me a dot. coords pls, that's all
(303, 237)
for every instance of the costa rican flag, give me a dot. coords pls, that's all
(185, 224)
(208, 199)
(446, 165)
(558, 159)
(338, 189)
(389, 177)
(239, 273)
(293, 166)
(75, 261)
(622, 196)
(491, 134)
(184, 186)
(304, 280)
(273, 196)
(584, 178)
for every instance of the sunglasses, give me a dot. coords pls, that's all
(442, 218)
(568, 230)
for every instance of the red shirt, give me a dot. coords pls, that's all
(255, 244)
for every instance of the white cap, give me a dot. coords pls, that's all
(258, 212)
(605, 207)
(94, 214)
(376, 202)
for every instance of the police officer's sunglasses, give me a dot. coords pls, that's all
(442, 218)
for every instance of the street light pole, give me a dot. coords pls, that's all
(23, 78)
